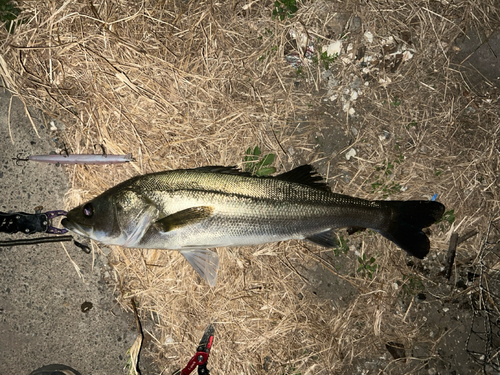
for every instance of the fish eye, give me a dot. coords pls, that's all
(88, 210)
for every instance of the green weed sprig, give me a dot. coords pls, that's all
(259, 168)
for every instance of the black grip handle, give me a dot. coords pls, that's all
(23, 222)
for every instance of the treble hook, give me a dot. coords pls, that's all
(102, 149)
(64, 150)
(18, 158)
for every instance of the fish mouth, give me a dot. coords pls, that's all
(90, 232)
(78, 229)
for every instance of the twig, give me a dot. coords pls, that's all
(8, 120)
(466, 236)
(450, 257)
(452, 250)
(135, 350)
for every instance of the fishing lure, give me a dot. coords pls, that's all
(80, 159)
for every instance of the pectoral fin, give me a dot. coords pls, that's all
(205, 262)
(138, 227)
(185, 217)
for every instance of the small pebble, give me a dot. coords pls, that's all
(355, 23)
(368, 37)
(349, 154)
(384, 136)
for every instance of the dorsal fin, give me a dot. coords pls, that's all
(224, 170)
(305, 175)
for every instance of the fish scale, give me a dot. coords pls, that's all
(193, 210)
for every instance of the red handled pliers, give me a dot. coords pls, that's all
(201, 357)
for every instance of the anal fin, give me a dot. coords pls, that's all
(327, 238)
(205, 262)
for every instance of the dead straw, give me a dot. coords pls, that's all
(183, 84)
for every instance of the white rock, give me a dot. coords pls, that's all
(384, 81)
(388, 41)
(302, 39)
(169, 340)
(333, 48)
(368, 37)
(349, 154)
(407, 55)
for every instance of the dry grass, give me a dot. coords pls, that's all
(186, 83)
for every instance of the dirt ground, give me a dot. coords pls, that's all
(452, 335)
(447, 341)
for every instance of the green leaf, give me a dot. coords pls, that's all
(449, 216)
(263, 172)
(268, 159)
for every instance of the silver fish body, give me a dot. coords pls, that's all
(195, 209)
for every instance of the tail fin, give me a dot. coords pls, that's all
(406, 223)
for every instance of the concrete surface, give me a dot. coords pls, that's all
(41, 294)
(478, 57)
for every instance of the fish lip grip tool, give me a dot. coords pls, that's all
(200, 359)
(30, 223)
(39, 222)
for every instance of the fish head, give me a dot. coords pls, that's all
(112, 218)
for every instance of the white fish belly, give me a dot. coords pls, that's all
(220, 231)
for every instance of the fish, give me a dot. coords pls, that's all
(195, 210)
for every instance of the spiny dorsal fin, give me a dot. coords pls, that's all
(305, 175)
(224, 170)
